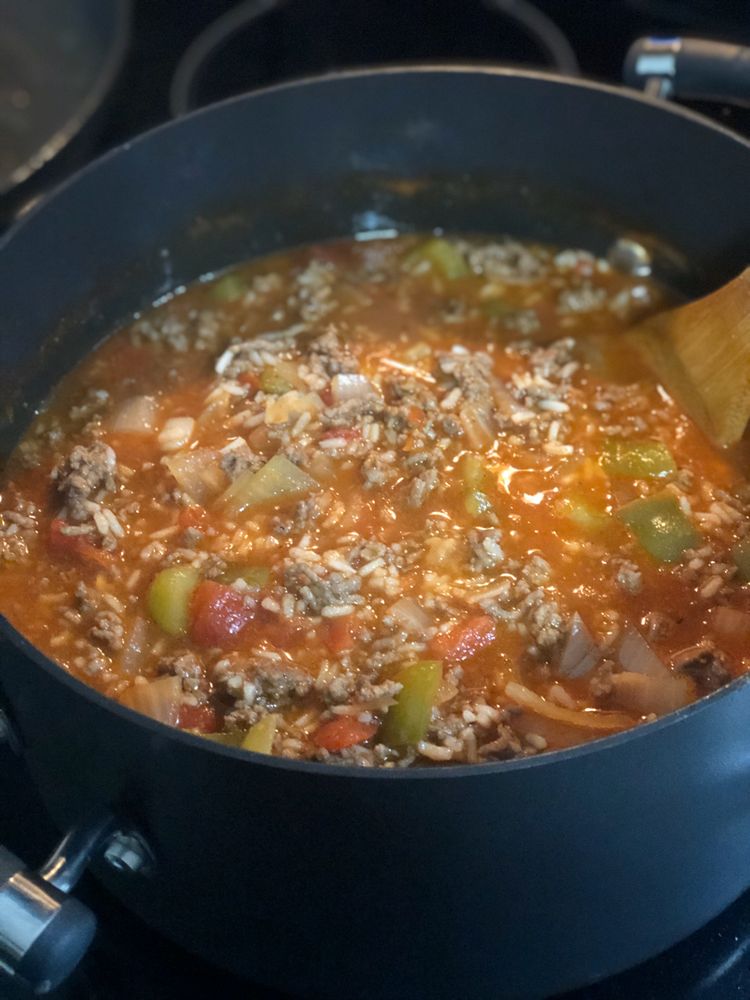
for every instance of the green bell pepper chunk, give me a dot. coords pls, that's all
(497, 309)
(278, 481)
(273, 381)
(256, 577)
(229, 288)
(442, 256)
(473, 472)
(476, 481)
(741, 557)
(477, 503)
(583, 514)
(660, 526)
(637, 459)
(407, 721)
(169, 598)
(260, 736)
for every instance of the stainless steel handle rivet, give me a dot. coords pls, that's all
(128, 852)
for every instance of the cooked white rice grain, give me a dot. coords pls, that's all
(434, 752)
(337, 610)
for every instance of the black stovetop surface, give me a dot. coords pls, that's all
(128, 961)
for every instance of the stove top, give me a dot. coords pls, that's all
(127, 960)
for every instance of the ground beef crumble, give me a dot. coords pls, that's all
(85, 476)
(318, 591)
(188, 667)
(108, 631)
(705, 664)
(328, 356)
(504, 745)
(256, 685)
(486, 549)
(238, 457)
(17, 528)
(378, 469)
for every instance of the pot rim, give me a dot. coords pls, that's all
(542, 77)
(602, 744)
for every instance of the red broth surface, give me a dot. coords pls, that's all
(386, 503)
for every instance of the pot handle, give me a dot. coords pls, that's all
(689, 68)
(44, 932)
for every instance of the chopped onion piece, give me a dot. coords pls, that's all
(446, 692)
(645, 694)
(441, 552)
(291, 405)
(347, 386)
(135, 416)
(607, 721)
(159, 699)
(176, 433)
(637, 656)
(136, 647)
(560, 696)
(322, 466)
(477, 426)
(260, 737)
(410, 616)
(731, 622)
(581, 652)
(198, 473)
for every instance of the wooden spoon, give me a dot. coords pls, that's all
(701, 352)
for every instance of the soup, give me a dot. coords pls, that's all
(384, 503)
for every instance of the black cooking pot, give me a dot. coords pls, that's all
(514, 879)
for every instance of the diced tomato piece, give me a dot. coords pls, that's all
(251, 380)
(193, 517)
(201, 718)
(465, 640)
(345, 731)
(258, 439)
(284, 633)
(75, 546)
(219, 615)
(347, 433)
(340, 633)
(327, 396)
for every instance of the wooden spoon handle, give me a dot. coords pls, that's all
(701, 351)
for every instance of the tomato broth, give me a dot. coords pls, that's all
(386, 503)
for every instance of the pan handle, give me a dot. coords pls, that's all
(44, 932)
(689, 69)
